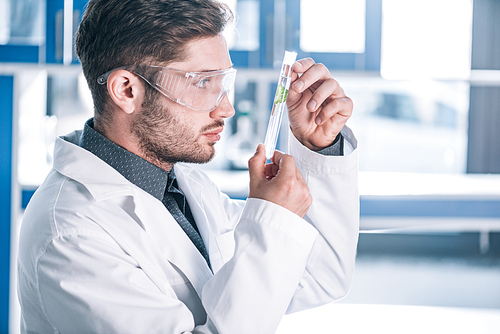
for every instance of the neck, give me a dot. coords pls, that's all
(120, 135)
(167, 166)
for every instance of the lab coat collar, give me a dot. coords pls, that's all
(103, 182)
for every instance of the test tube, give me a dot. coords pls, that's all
(279, 105)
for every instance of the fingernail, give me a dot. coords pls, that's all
(299, 85)
(318, 120)
(311, 105)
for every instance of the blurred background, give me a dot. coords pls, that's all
(424, 76)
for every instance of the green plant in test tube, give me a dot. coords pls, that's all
(279, 104)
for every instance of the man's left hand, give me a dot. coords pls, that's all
(317, 106)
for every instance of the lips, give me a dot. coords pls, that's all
(214, 134)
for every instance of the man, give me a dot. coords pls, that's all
(124, 237)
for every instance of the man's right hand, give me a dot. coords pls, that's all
(279, 182)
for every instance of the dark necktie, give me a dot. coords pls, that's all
(175, 202)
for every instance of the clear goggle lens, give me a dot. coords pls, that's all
(201, 91)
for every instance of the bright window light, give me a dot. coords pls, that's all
(426, 39)
(244, 34)
(332, 26)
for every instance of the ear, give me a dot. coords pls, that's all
(126, 90)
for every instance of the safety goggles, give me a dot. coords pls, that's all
(201, 91)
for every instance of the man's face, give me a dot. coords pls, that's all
(169, 132)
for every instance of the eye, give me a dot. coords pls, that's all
(202, 83)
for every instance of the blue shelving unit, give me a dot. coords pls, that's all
(6, 144)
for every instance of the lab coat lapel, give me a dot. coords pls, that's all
(172, 240)
(205, 211)
(193, 191)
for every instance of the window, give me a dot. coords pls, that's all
(338, 27)
(414, 118)
(245, 34)
(22, 22)
(426, 39)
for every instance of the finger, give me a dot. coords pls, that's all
(327, 89)
(273, 167)
(302, 65)
(315, 73)
(286, 164)
(336, 110)
(256, 164)
(271, 171)
(299, 67)
(276, 158)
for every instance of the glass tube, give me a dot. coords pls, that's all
(279, 104)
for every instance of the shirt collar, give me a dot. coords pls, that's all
(140, 172)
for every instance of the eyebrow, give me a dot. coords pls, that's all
(212, 70)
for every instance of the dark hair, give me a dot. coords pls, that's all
(116, 33)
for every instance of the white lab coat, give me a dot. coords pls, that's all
(100, 255)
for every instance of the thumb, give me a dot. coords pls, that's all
(257, 164)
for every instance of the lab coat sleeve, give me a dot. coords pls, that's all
(252, 291)
(334, 213)
(283, 263)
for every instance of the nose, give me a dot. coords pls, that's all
(224, 110)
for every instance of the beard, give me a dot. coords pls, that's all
(164, 137)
